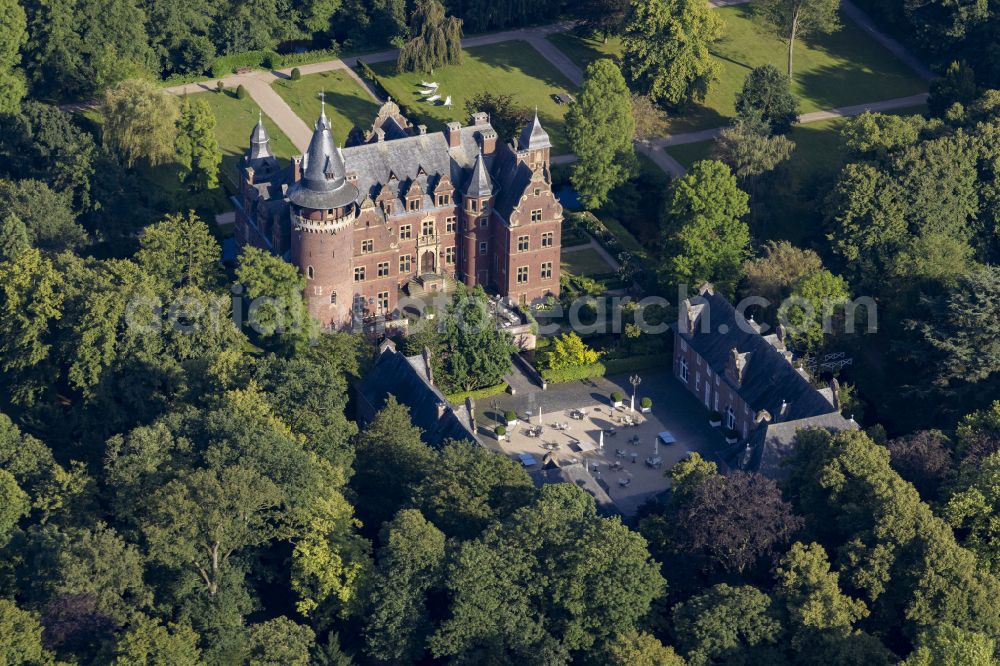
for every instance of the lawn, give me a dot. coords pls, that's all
(844, 68)
(347, 103)
(508, 67)
(584, 262)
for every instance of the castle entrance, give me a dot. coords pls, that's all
(427, 262)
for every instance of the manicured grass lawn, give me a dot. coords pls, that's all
(584, 262)
(840, 69)
(347, 103)
(583, 50)
(508, 67)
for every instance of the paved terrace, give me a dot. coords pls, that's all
(674, 410)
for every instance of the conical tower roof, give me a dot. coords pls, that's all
(260, 140)
(534, 136)
(480, 184)
(324, 177)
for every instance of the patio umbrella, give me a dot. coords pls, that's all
(600, 441)
(656, 445)
(539, 416)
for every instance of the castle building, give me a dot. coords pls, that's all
(399, 209)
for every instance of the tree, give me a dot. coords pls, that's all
(604, 17)
(637, 648)
(979, 434)
(506, 116)
(180, 251)
(48, 215)
(878, 135)
(600, 128)
(12, 37)
(411, 563)
(780, 266)
(957, 86)
(204, 517)
(30, 301)
(946, 645)
(147, 641)
(21, 637)
(437, 39)
(274, 289)
(723, 621)
(705, 236)
(196, 146)
(140, 122)
(963, 328)
(666, 49)
(14, 504)
(569, 351)
(470, 489)
(13, 237)
(391, 461)
(650, 120)
(815, 300)
(751, 151)
(811, 592)
(800, 18)
(767, 95)
(923, 458)
(477, 353)
(318, 14)
(279, 642)
(973, 509)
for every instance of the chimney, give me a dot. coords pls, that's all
(781, 333)
(297, 168)
(470, 404)
(835, 389)
(488, 141)
(453, 132)
(784, 410)
(480, 118)
(735, 366)
(427, 364)
(441, 409)
(686, 315)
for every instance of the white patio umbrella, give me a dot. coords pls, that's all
(656, 445)
(539, 416)
(600, 441)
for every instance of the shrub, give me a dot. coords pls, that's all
(241, 92)
(510, 415)
(633, 363)
(296, 74)
(220, 86)
(616, 396)
(476, 394)
(646, 403)
(573, 373)
(500, 430)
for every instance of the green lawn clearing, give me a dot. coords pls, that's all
(584, 262)
(347, 103)
(508, 67)
(841, 69)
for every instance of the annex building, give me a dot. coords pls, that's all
(400, 210)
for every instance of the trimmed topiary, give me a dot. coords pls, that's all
(241, 92)
(500, 430)
(296, 74)
(510, 415)
(616, 396)
(646, 403)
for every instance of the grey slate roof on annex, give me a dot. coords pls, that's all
(773, 443)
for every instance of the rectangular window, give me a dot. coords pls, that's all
(482, 223)
(449, 255)
(414, 204)
(359, 274)
(367, 246)
(387, 207)
(405, 262)
(548, 239)
(427, 228)
(383, 301)
(684, 370)
(522, 274)
(383, 269)
(547, 270)
(444, 199)
(536, 215)
(449, 224)
(473, 205)
(482, 247)
(538, 191)
(405, 232)
(523, 243)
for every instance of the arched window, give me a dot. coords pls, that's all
(730, 417)
(309, 272)
(333, 298)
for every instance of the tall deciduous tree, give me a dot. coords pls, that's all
(21, 637)
(705, 234)
(180, 251)
(140, 122)
(751, 151)
(437, 39)
(811, 592)
(477, 352)
(197, 148)
(799, 18)
(600, 128)
(767, 95)
(815, 301)
(637, 648)
(150, 642)
(273, 288)
(725, 621)
(13, 35)
(650, 120)
(666, 49)
(779, 266)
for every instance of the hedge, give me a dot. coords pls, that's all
(633, 363)
(573, 373)
(268, 59)
(478, 394)
(279, 61)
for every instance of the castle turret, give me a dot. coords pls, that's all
(323, 210)
(534, 145)
(477, 198)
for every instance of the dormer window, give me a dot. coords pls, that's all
(414, 204)
(387, 207)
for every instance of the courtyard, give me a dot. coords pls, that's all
(569, 418)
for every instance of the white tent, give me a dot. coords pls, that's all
(432, 84)
(447, 100)
(433, 98)
(425, 93)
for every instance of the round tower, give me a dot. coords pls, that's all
(323, 208)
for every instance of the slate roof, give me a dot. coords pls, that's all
(407, 378)
(324, 180)
(533, 136)
(770, 443)
(768, 377)
(480, 184)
